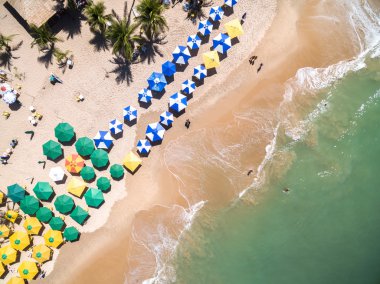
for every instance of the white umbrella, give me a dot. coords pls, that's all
(5, 87)
(56, 174)
(9, 97)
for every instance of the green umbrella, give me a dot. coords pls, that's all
(64, 204)
(44, 214)
(64, 132)
(52, 149)
(87, 173)
(84, 146)
(99, 158)
(43, 190)
(94, 197)
(29, 205)
(117, 171)
(56, 223)
(71, 234)
(103, 183)
(15, 192)
(79, 215)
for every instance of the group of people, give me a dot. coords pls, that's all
(7, 154)
(252, 62)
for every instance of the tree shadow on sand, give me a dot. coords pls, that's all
(7, 56)
(99, 42)
(152, 49)
(70, 23)
(122, 70)
(47, 57)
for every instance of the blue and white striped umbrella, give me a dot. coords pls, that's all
(143, 146)
(230, 3)
(166, 118)
(157, 82)
(200, 72)
(216, 13)
(221, 43)
(130, 113)
(181, 54)
(194, 42)
(205, 27)
(103, 140)
(145, 95)
(188, 87)
(177, 102)
(115, 126)
(168, 68)
(155, 132)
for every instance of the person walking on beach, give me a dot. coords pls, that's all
(187, 123)
(261, 66)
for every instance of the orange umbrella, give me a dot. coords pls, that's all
(74, 163)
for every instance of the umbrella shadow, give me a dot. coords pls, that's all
(188, 96)
(228, 11)
(59, 158)
(99, 41)
(134, 172)
(118, 179)
(211, 72)
(222, 56)
(143, 155)
(63, 181)
(194, 52)
(50, 199)
(122, 70)
(198, 82)
(234, 41)
(215, 24)
(79, 234)
(169, 79)
(145, 105)
(130, 123)
(181, 67)
(158, 95)
(97, 207)
(71, 142)
(178, 114)
(117, 136)
(205, 39)
(15, 106)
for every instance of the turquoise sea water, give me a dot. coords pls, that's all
(327, 228)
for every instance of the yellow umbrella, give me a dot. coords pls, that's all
(32, 225)
(1, 197)
(74, 163)
(19, 240)
(53, 238)
(211, 59)
(2, 269)
(11, 215)
(28, 270)
(76, 187)
(8, 255)
(4, 231)
(234, 28)
(41, 253)
(131, 161)
(16, 280)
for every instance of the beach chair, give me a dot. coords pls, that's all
(6, 114)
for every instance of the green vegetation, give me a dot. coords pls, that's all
(151, 19)
(43, 37)
(96, 17)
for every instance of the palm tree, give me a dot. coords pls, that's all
(96, 17)
(5, 41)
(61, 56)
(122, 35)
(43, 37)
(151, 20)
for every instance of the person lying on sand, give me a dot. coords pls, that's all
(261, 66)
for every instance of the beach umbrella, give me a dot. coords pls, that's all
(2, 269)
(87, 173)
(103, 140)
(44, 214)
(115, 127)
(130, 113)
(166, 118)
(16, 280)
(131, 162)
(76, 187)
(177, 102)
(74, 163)
(56, 174)
(71, 234)
(41, 253)
(145, 96)
(99, 158)
(84, 146)
(4, 231)
(116, 171)
(53, 238)
(188, 87)
(221, 43)
(168, 68)
(8, 254)
(15, 192)
(94, 197)
(52, 149)
(211, 59)
(64, 203)
(64, 132)
(1, 197)
(10, 97)
(43, 190)
(32, 225)
(234, 28)
(4, 88)
(200, 72)
(157, 82)
(79, 215)
(19, 240)
(103, 183)
(230, 3)
(216, 13)
(155, 132)
(11, 216)
(56, 223)
(205, 27)
(143, 146)
(194, 42)
(29, 204)
(28, 270)
(181, 55)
